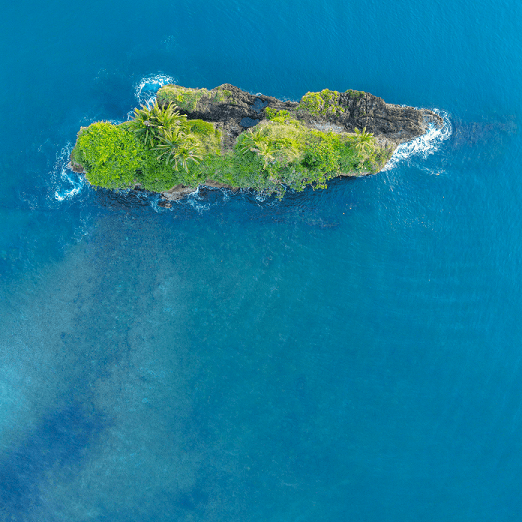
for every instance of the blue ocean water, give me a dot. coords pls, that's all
(347, 354)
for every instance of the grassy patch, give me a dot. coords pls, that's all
(183, 97)
(187, 99)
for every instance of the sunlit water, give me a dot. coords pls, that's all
(346, 354)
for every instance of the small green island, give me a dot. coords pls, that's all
(227, 137)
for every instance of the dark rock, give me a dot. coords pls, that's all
(177, 192)
(239, 110)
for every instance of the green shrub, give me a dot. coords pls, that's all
(355, 94)
(278, 116)
(207, 135)
(322, 153)
(204, 128)
(322, 103)
(109, 153)
(156, 175)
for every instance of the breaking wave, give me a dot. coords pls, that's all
(194, 200)
(68, 183)
(146, 89)
(424, 145)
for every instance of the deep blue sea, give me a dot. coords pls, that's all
(350, 354)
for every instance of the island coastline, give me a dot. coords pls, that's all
(214, 134)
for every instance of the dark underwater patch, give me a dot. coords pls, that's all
(60, 441)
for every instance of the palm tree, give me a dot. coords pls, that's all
(151, 122)
(169, 145)
(187, 152)
(265, 150)
(143, 124)
(167, 117)
(178, 149)
(362, 139)
(256, 143)
(247, 143)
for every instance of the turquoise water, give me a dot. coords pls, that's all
(348, 354)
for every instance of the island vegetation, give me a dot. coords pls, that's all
(159, 147)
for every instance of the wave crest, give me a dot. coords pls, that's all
(424, 145)
(146, 89)
(69, 183)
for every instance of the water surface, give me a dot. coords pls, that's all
(344, 354)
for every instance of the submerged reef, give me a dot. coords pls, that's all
(226, 137)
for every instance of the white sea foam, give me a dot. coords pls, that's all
(69, 183)
(194, 200)
(226, 194)
(146, 89)
(260, 197)
(154, 203)
(424, 145)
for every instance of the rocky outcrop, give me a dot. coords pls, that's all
(238, 110)
(177, 192)
(233, 111)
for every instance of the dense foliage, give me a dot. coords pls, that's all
(159, 148)
(109, 153)
(282, 153)
(155, 149)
